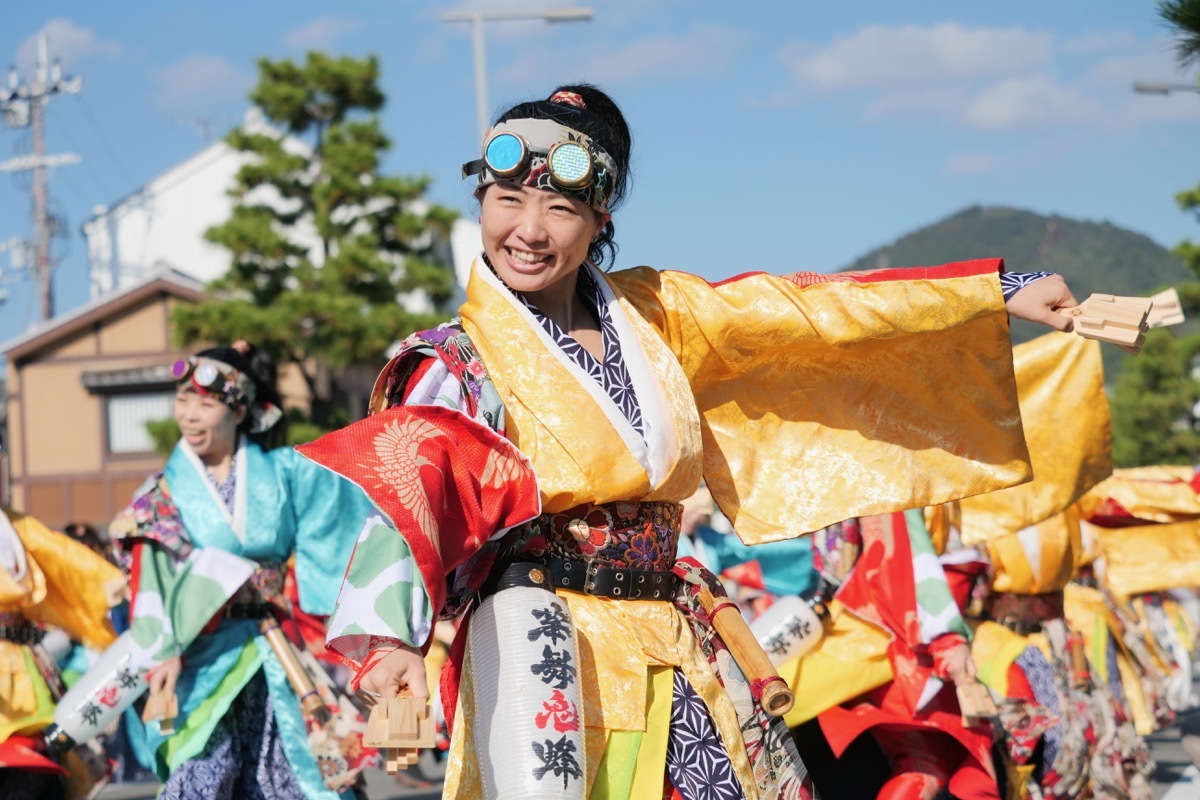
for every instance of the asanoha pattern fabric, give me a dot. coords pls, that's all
(611, 373)
(697, 763)
(1012, 282)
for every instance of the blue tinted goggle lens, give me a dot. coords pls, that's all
(506, 154)
(207, 376)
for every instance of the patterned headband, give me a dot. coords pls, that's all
(544, 154)
(234, 387)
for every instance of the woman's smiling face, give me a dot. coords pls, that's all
(207, 424)
(536, 238)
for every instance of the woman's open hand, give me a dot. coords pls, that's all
(1039, 302)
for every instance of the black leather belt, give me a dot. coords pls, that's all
(516, 574)
(622, 583)
(20, 633)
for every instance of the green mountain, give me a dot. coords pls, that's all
(1094, 257)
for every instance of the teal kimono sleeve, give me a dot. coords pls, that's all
(330, 513)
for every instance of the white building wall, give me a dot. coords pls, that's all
(163, 224)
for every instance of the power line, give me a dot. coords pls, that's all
(104, 141)
(88, 166)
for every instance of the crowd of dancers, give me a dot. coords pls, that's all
(940, 586)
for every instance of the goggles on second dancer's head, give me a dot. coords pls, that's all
(216, 378)
(546, 155)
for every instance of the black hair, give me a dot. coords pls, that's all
(602, 121)
(260, 368)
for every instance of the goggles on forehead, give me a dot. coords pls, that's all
(545, 154)
(214, 377)
(507, 154)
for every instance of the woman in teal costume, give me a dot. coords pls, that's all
(215, 532)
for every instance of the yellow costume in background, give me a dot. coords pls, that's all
(1151, 558)
(1060, 380)
(64, 585)
(46, 579)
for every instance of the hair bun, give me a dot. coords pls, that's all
(568, 99)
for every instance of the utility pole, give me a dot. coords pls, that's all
(24, 105)
(478, 18)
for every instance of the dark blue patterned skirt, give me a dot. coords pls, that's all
(243, 759)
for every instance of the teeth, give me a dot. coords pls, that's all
(528, 258)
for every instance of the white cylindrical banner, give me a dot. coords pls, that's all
(524, 677)
(789, 628)
(99, 696)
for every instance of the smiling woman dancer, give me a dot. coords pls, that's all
(547, 437)
(214, 533)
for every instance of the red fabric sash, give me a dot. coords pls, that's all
(445, 482)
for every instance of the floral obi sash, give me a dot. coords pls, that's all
(256, 596)
(623, 550)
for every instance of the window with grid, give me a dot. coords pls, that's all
(127, 418)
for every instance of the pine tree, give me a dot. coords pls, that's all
(1153, 403)
(1153, 420)
(1183, 16)
(322, 244)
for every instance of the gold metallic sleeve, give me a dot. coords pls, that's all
(1060, 382)
(828, 397)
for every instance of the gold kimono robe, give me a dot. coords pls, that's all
(801, 400)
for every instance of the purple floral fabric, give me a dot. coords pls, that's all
(635, 535)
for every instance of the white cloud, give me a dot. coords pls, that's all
(67, 42)
(199, 82)
(1112, 80)
(991, 79)
(876, 56)
(702, 51)
(1149, 63)
(1095, 42)
(1026, 103)
(322, 33)
(944, 101)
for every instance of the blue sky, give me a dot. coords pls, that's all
(774, 136)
